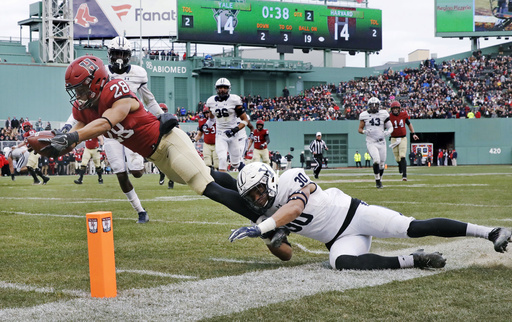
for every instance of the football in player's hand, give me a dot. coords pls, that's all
(34, 143)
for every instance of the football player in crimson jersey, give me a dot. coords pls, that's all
(399, 143)
(108, 107)
(33, 158)
(375, 124)
(91, 151)
(261, 141)
(123, 160)
(209, 154)
(78, 159)
(344, 224)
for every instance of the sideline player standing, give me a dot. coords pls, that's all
(376, 125)
(121, 158)
(225, 108)
(345, 224)
(33, 159)
(209, 154)
(399, 142)
(261, 139)
(91, 151)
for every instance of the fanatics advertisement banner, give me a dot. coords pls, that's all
(97, 19)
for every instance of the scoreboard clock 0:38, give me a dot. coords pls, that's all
(269, 23)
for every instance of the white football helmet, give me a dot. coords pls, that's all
(373, 105)
(223, 87)
(257, 179)
(119, 53)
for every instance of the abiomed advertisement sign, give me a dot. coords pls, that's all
(96, 19)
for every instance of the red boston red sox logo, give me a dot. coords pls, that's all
(83, 18)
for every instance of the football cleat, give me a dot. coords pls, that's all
(428, 260)
(100, 181)
(162, 180)
(404, 179)
(78, 181)
(500, 237)
(170, 185)
(143, 217)
(37, 182)
(46, 179)
(379, 184)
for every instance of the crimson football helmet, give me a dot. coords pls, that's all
(164, 107)
(206, 109)
(395, 107)
(373, 105)
(260, 122)
(26, 126)
(85, 78)
(119, 54)
(223, 87)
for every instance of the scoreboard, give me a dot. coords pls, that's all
(269, 23)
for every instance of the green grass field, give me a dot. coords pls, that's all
(180, 266)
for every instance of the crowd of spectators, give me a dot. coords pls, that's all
(13, 128)
(474, 87)
(168, 55)
(484, 81)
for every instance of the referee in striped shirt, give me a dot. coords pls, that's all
(317, 147)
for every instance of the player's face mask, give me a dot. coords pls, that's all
(258, 196)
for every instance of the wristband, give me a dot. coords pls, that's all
(413, 133)
(267, 225)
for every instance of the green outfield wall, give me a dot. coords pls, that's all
(37, 91)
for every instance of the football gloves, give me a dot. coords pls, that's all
(59, 143)
(232, 132)
(275, 238)
(240, 233)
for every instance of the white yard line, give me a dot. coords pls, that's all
(195, 300)
(28, 288)
(153, 273)
(117, 218)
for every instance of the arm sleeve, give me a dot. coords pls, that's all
(389, 128)
(71, 121)
(149, 100)
(210, 122)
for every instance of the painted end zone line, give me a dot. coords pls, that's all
(195, 300)
(152, 273)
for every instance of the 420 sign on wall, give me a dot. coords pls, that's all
(259, 23)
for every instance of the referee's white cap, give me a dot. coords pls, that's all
(318, 133)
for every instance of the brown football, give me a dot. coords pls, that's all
(33, 142)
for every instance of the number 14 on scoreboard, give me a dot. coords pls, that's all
(341, 28)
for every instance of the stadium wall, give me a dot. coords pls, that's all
(477, 141)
